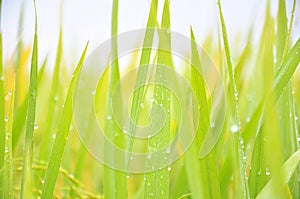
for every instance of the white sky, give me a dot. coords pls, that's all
(90, 20)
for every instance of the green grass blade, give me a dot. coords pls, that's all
(242, 61)
(196, 179)
(287, 69)
(285, 103)
(8, 190)
(115, 182)
(282, 31)
(142, 72)
(157, 183)
(20, 77)
(234, 93)
(287, 171)
(2, 113)
(259, 161)
(287, 43)
(61, 136)
(20, 114)
(47, 141)
(26, 186)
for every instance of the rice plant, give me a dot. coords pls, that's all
(256, 154)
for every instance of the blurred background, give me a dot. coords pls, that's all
(90, 20)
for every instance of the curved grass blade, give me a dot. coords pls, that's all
(290, 29)
(200, 170)
(26, 186)
(285, 103)
(287, 171)
(282, 77)
(287, 69)
(234, 93)
(61, 136)
(260, 159)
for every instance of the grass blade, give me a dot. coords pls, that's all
(282, 31)
(259, 161)
(234, 93)
(157, 183)
(61, 136)
(8, 190)
(46, 146)
(287, 69)
(142, 72)
(285, 103)
(20, 113)
(26, 186)
(2, 113)
(287, 171)
(115, 182)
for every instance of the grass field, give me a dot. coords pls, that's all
(256, 155)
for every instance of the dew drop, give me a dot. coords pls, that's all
(142, 105)
(35, 127)
(43, 181)
(6, 150)
(149, 156)
(5, 119)
(212, 124)
(71, 175)
(2, 78)
(9, 93)
(168, 150)
(169, 168)
(241, 141)
(268, 172)
(55, 98)
(236, 94)
(247, 119)
(127, 176)
(234, 128)
(108, 117)
(259, 172)
(93, 92)
(152, 100)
